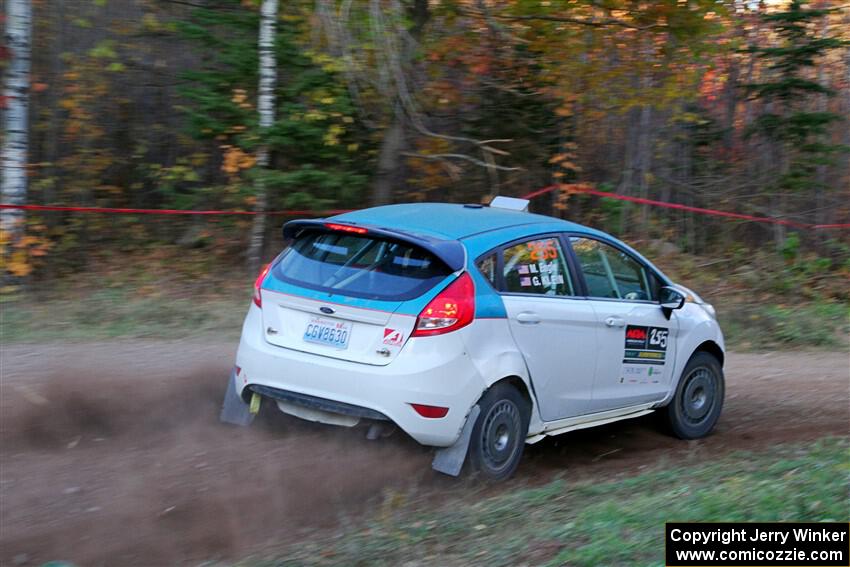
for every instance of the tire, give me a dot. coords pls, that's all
(695, 408)
(498, 437)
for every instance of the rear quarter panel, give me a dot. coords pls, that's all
(495, 356)
(491, 345)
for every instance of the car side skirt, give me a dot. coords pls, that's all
(591, 420)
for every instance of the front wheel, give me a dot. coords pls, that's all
(695, 408)
(498, 437)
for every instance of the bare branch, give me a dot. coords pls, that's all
(609, 21)
(212, 6)
(393, 76)
(462, 157)
(504, 88)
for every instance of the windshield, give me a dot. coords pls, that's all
(360, 266)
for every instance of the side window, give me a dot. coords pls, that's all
(487, 266)
(537, 266)
(611, 273)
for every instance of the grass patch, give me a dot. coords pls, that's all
(118, 312)
(592, 523)
(816, 324)
(762, 301)
(126, 313)
(121, 313)
(765, 300)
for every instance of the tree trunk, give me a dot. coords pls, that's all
(731, 104)
(265, 107)
(16, 92)
(389, 157)
(629, 165)
(52, 151)
(778, 200)
(644, 151)
(388, 160)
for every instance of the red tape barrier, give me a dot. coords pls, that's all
(293, 212)
(573, 188)
(700, 210)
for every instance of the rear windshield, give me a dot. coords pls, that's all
(360, 266)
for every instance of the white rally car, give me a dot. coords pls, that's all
(475, 330)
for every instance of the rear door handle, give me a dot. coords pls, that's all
(615, 322)
(528, 318)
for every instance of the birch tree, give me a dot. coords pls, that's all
(16, 94)
(265, 108)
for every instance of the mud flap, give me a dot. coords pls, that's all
(449, 460)
(234, 410)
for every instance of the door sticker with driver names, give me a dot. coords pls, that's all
(646, 345)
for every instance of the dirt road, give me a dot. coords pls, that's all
(111, 453)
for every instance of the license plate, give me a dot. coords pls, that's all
(328, 332)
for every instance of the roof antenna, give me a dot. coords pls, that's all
(510, 203)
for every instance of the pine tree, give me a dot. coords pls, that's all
(307, 153)
(789, 94)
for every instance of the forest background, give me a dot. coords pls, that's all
(320, 105)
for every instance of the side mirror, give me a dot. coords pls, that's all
(670, 299)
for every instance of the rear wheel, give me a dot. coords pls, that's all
(695, 408)
(498, 437)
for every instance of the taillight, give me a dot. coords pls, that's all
(258, 300)
(452, 309)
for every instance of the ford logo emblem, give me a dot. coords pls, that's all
(326, 310)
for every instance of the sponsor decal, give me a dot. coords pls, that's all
(652, 355)
(645, 345)
(647, 338)
(636, 337)
(633, 374)
(393, 337)
(640, 371)
(641, 374)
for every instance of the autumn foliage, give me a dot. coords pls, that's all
(704, 103)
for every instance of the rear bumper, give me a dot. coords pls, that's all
(320, 404)
(434, 371)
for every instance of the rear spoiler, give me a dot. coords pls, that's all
(451, 252)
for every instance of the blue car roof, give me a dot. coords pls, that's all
(453, 221)
(480, 229)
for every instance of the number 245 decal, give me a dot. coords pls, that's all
(542, 250)
(658, 337)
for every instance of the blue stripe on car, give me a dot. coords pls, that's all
(411, 307)
(488, 303)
